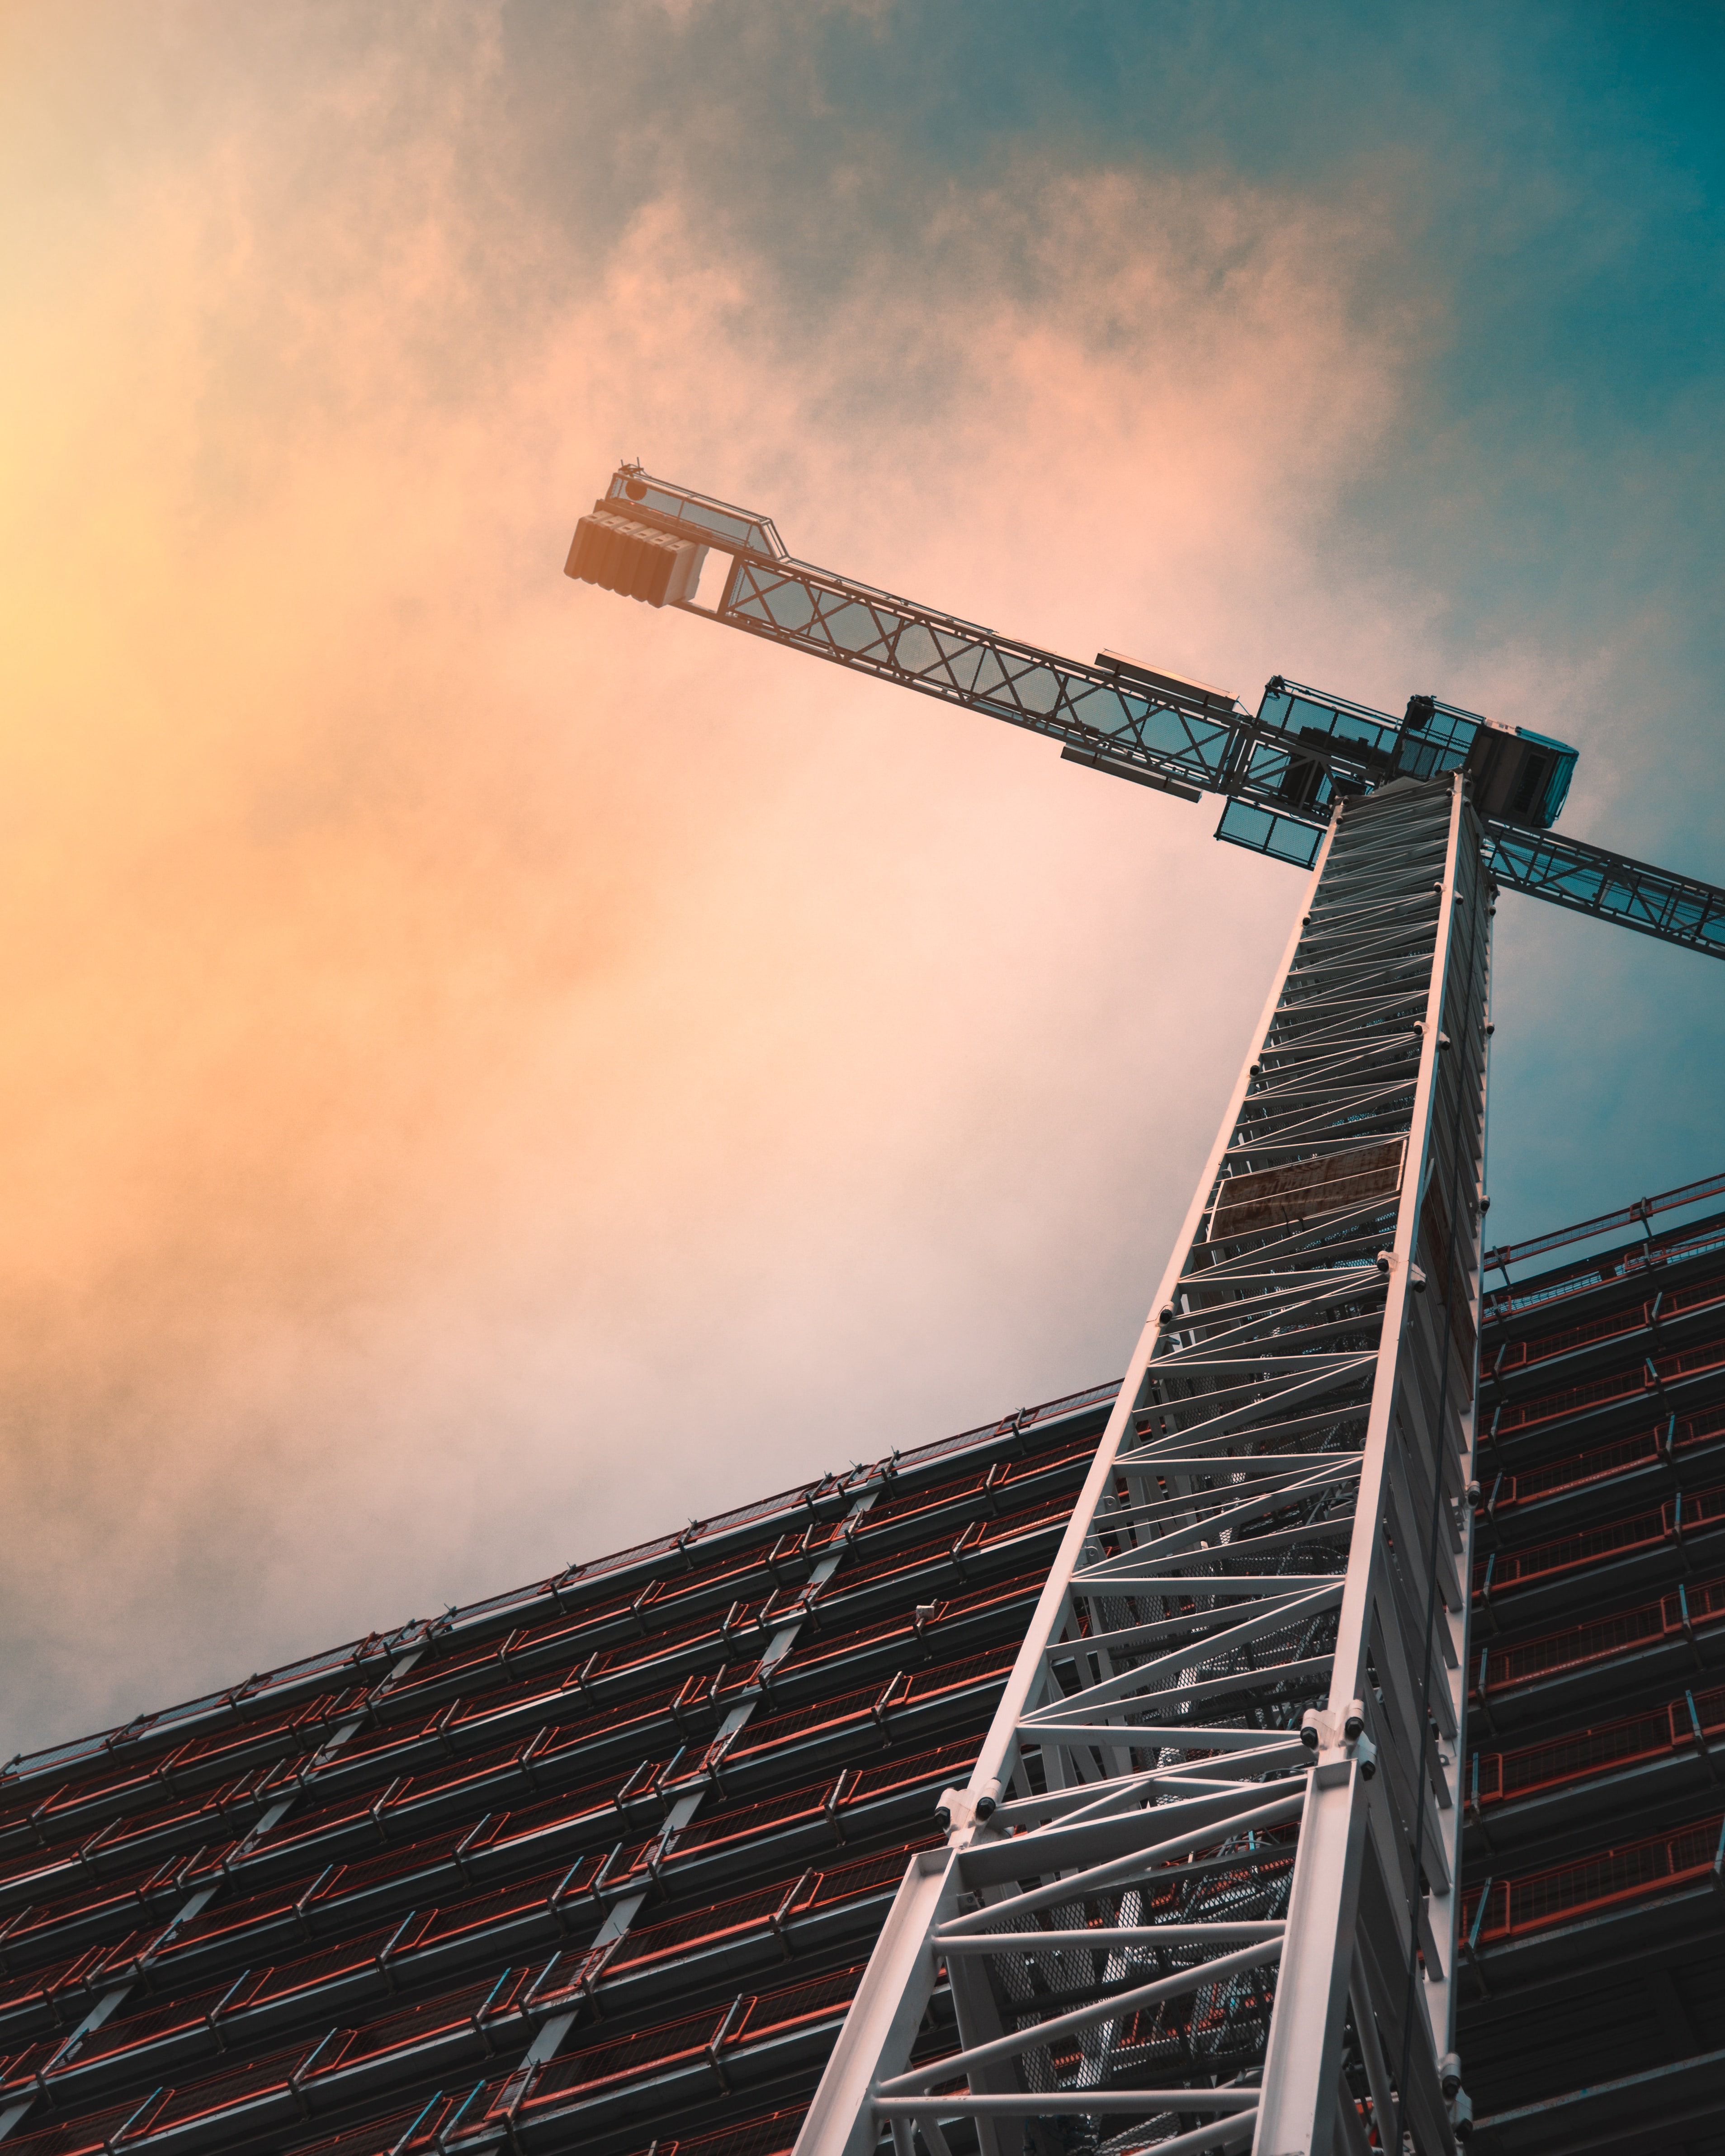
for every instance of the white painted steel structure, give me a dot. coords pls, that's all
(1200, 1890)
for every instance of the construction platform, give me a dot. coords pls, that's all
(597, 1864)
(1592, 2012)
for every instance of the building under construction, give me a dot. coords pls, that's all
(598, 1864)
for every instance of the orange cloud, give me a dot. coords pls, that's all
(491, 1069)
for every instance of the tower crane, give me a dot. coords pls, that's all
(1201, 1891)
(1280, 772)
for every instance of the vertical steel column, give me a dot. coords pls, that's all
(1200, 1889)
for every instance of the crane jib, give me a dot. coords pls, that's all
(1282, 771)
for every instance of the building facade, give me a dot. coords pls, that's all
(591, 1865)
(599, 1864)
(1592, 2010)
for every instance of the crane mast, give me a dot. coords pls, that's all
(1211, 1846)
(1201, 1890)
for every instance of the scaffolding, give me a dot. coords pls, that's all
(1592, 1995)
(592, 1864)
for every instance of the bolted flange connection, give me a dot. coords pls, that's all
(1338, 1740)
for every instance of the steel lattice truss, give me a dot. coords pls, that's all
(1147, 1878)
(958, 662)
(1588, 879)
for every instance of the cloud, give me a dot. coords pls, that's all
(492, 1070)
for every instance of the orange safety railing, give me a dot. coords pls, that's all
(1497, 1778)
(705, 2045)
(1504, 1570)
(1650, 1377)
(1657, 1309)
(1686, 1513)
(1688, 1609)
(1603, 1639)
(423, 2131)
(1604, 1463)
(1510, 1908)
(1559, 1476)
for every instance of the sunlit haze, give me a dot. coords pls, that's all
(492, 1070)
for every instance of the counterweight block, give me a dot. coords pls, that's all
(622, 556)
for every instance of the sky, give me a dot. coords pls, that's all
(491, 1071)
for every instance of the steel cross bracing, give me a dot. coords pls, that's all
(1280, 776)
(1182, 1899)
(1587, 878)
